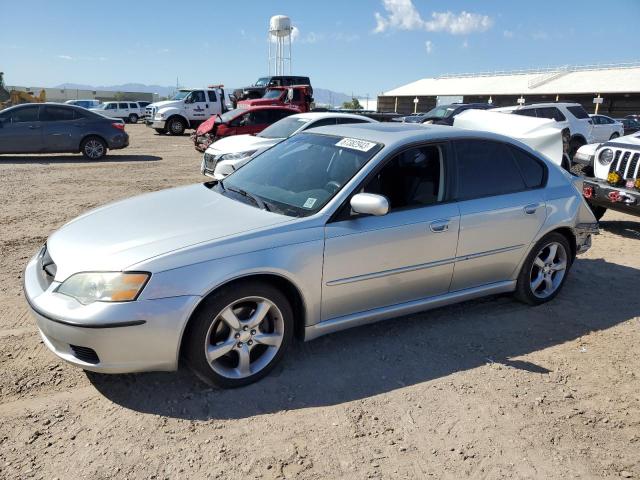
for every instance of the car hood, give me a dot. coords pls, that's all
(166, 103)
(240, 143)
(121, 234)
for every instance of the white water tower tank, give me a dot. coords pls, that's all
(280, 26)
(280, 31)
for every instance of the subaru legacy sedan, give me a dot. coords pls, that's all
(336, 227)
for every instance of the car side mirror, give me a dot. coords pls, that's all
(370, 204)
(290, 94)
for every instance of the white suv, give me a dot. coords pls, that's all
(128, 111)
(577, 127)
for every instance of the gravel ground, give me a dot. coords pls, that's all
(486, 389)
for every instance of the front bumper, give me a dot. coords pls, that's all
(599, 192)
(141, 335)
(153, 123)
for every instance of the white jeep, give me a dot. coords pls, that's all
(187, 109)
(615, 183)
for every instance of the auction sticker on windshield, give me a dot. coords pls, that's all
(310, 202)
(356, 144)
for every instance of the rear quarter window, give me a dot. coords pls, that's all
(578, 111)
(533, 171)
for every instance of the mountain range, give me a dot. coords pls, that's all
(322, 96)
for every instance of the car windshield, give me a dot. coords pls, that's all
(102, 106)
(300, 175)
(273, 94)
(180, 94)
(262, 82)
(230, 115)
(283, 128)
(443, 111)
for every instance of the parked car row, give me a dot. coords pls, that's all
(59, 128)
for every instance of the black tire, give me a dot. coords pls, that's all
(574, 145)
(598, 211)
(176, 126)
(133, 118)
(208, 317)
(524, 291)
(614, 136)
(93, 148)
(160, 131)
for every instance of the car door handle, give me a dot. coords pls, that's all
(33, 127)
(439, 226)
(531, 208)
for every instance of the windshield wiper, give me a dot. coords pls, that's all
(256, 200)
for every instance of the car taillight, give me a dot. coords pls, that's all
(119, 126)
(587, 192)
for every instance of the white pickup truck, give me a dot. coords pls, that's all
(187, 109)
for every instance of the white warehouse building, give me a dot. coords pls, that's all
(617, 85)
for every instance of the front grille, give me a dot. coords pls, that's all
(85, 354)
(626, 164)
(150, 112)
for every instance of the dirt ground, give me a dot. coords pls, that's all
(487, 389)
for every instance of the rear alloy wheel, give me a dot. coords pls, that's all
(93, 148)
(239, 335)
(133, 118)
(545, 270)
(176, 126)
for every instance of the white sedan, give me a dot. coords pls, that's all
(606, 128)
(230, 153)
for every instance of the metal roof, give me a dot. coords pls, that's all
(589, 79)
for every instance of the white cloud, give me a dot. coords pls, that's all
(403, 15)
(65, 57)
(295, 33)
(429, 46)
(461, 23)
(508, 34)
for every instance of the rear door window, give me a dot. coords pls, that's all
(212, 96)
(578, 111)
(122, 106)
(58, 114)
(551, 113)
(133, 105)
(485, 168)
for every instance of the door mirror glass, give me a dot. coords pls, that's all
(290, 94)
(369, 204)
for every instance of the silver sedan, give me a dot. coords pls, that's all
(330, 229)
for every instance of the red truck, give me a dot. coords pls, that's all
(298, 96)
(242, 120)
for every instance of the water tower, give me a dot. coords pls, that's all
(280, 31)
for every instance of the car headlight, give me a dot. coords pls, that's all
(605, 157)
(237, 155)
(160, 115)
(92, 287)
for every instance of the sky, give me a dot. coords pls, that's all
(363, 47)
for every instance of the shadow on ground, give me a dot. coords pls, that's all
(368, 361)
(622, 228)
(54, 159)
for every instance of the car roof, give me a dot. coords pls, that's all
(320, 115)
(398, 134)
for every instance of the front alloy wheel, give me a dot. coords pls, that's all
(239, 334)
